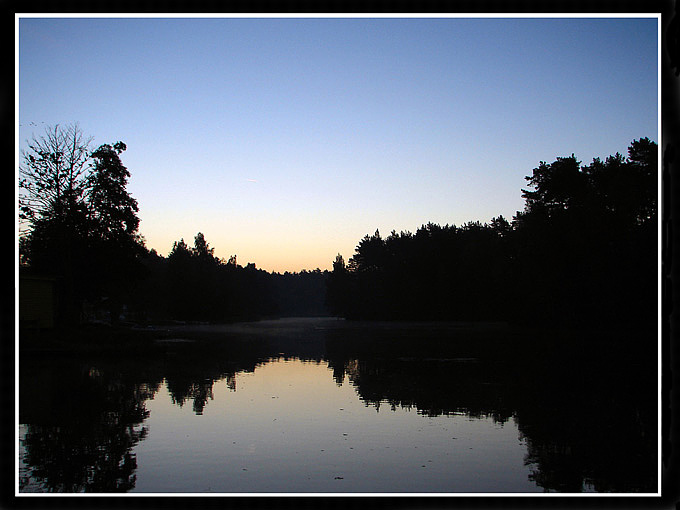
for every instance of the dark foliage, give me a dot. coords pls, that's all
(80, 223)
(192, 284)
(582, 253)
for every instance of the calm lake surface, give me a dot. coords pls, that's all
(328, 406)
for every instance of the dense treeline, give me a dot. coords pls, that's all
(192, 284)
(79, 225)
(437, 273)
(582, 252)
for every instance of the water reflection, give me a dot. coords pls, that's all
(587, 422)
(585, 405)
(81, 426)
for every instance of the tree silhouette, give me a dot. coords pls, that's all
(337, 288)
(115, 245)
(112, 210)
(53, 174)
(82, 425)
(558, 186)
(585, 243)
(202, 249)
(581, 253)
(79, 222)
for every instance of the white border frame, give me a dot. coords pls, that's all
(656, 16)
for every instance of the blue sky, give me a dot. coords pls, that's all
(285, 141)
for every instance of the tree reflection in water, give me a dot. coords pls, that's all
(586, 409)
(84, 415)
(82, 424)
(584, 403)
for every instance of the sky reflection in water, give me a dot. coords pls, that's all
(288, 427)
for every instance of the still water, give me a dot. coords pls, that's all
(324, 406)
(288, 426)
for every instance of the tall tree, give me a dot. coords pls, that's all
(53, 174)
(52, 210)
(557, 186)
(202, 249)
(78, 221)
(115, 243)
(112, 211)
(337, 288)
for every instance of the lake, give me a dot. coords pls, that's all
(325, 406)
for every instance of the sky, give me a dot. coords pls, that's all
(286, 140)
